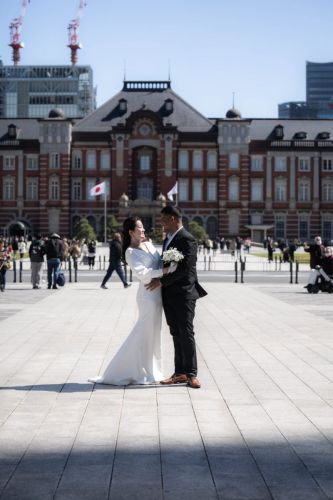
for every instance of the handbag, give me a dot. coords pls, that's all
(61, 280)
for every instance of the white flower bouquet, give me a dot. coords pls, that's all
(172, 255)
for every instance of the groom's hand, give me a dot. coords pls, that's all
(155, 283)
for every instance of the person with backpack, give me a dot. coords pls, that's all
(54, 255)
(36, 254)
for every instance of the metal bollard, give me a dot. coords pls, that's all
(20, 273)
(236, 271)
(291, 272)
(100, 262)
(275, 259)
(104, 262)
(242, 267)
(69, 270)
(125, 271)
(131, 276)
(296, 273)
(205, 263)
(75, 270)
(209, 263)
(14, 270)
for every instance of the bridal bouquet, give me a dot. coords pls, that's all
(172, 255)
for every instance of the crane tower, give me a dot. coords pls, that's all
(15, 33)
(73, 29)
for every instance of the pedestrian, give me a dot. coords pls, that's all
(115, 261)
(4, 264)
(54, 254)
(84, 253)
(91, 254)
(36, 254)
(270, 248)
(22, 247)
(316, 251)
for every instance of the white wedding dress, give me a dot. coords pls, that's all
(139, 359)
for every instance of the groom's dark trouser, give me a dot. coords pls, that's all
(179, 313)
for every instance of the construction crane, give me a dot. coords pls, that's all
(73, 30)
(15, 32)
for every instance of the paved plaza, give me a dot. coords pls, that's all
(261, 426)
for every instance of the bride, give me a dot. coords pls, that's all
(139, 359)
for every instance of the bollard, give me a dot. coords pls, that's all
(236, 271)
(125, 271)
(20, 272)
(209, 263)
(242, 267)
(14, 270)
(205, 268)
(131, 276)
(75, 270)
(100, 262)
(103, 262)
(291, 271)
(296, 273)
(69, 270)
(275, 259)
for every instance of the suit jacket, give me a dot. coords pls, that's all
(184, 280)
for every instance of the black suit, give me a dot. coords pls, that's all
(180, 290)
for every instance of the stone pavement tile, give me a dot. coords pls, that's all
(95, 455)
(187, 481)
(28, 486)
(136, 476)
(6, 472)
(84, 482)
(291, 482)
(325, 482)
(240, 486)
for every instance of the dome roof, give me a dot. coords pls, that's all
(233, 113)
(57, 113)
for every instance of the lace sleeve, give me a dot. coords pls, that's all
(139, 269)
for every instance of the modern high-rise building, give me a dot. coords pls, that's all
(319, 94)
(32, 91)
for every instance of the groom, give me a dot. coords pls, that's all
(180, 290)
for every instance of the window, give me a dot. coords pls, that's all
(197, 160)
(183, 189)
(211, 160)
(280, 190)
(304, 164)
(91, 160)
(304, 190)
(32, 162)
(303, 227)
(54, 188)
(197, 190)
(90, 183)
(105, 160)
(183, 160)
(279, 226)
(212, 227)
(256, 163)
(54, 160)
(9, 189)
(327, 191)
(9, 163)
(280, 164)
(77, 189)
(256, 218)
(233, 160)
(145, 189)
(144, 163)
(256, 190)
(233, 189)
(233, 222)
(32, 189)
(327, 164)
(77, 160)
(327, 229)
(211, 190)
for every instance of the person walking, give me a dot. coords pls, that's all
(316, 251)
(180, 291)
(4, 263)
(115, 262)
(91, 254)
(36, 254)
(54, 252)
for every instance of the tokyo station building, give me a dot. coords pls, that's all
(235, 176)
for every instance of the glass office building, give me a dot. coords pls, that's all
(32, 91)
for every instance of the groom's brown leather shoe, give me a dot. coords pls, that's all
(193, 382)
(176, 378)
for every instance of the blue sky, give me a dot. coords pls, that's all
(256, 49)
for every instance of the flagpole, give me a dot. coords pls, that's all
(105, 195)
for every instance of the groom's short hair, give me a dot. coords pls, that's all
(171, 210)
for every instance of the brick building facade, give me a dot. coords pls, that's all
(235, 176)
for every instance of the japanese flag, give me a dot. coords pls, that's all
(98, 189)
(172, 191)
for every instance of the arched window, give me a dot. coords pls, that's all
(145, 189)
(92, 221)
(75, 220)
(185, 222)
(198, 220)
